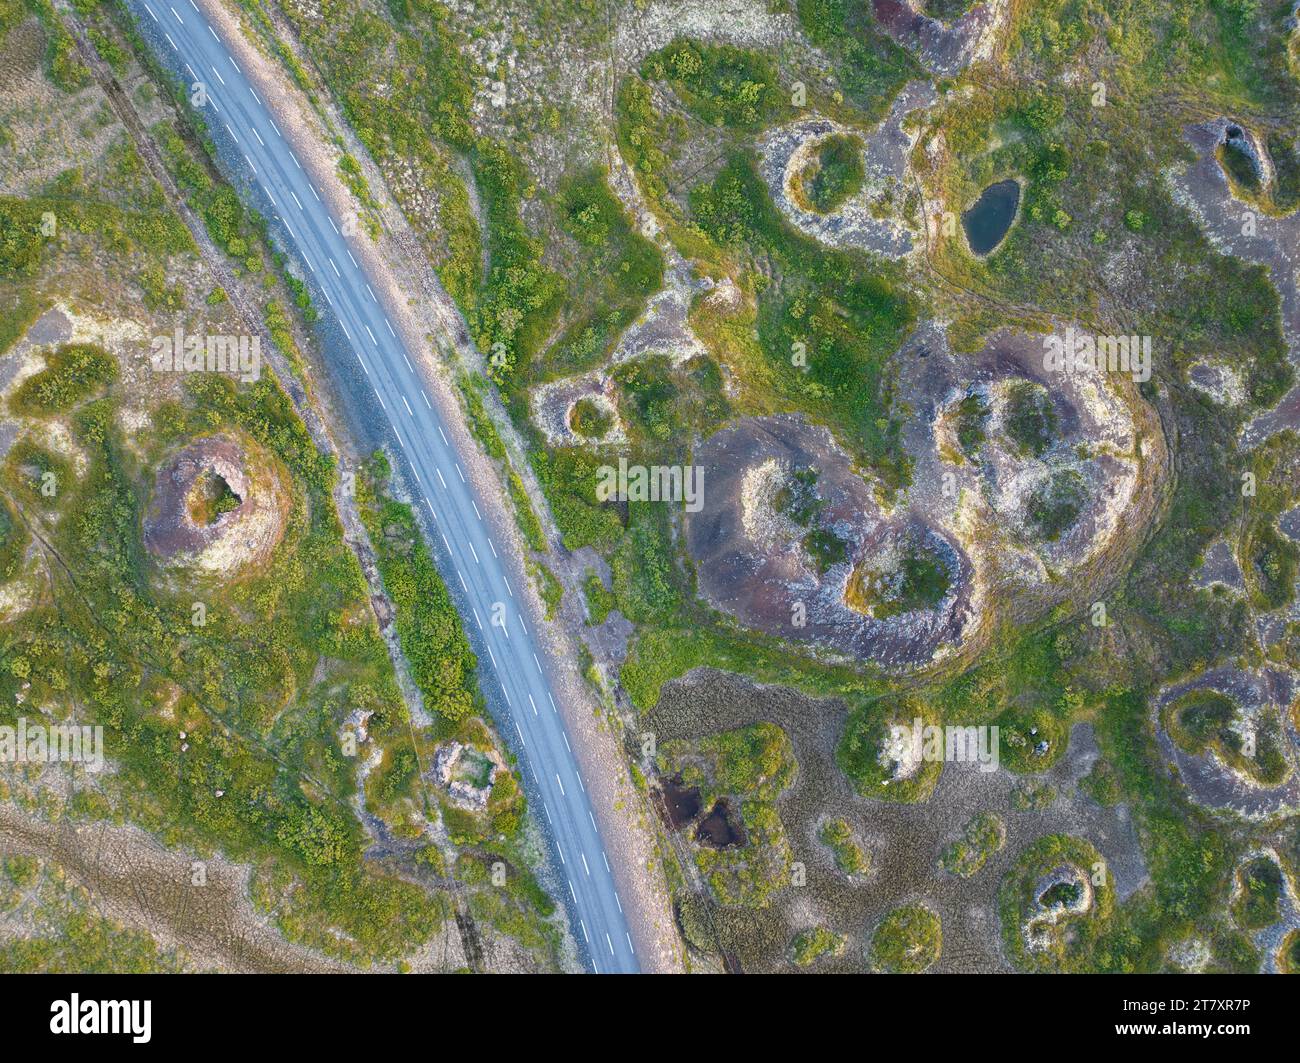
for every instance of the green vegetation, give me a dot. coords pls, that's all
(75, 939)
(825, 332)
(600, 602)
(568, 476)
(1029, 418)
(663, 403)
(1274, 565)
(590, 420)
(432, 635)
(481, 425)
(1204, 719)
(825, 548)
(838, 836)
(834, 174)
(1032, 795)
(1102, 784)
(921, 581)
(529, 523)
(983, 836)
(1040, 930)
(720, 85)
(907, 941)
(1054, 505)
(877, 750)
(550, 589)
(870, 67)
(20, 237)
(1258, 905)
(811, 945)
(72, 374)
(13, 542)
(423, 120)
(749, 767)
(1288, 956)
(621, 269)
(971, 419)
(210, 498)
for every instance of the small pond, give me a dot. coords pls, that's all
(987, 222)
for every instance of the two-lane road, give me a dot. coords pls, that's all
(252, 144)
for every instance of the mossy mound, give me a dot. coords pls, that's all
(834, 174)
(879, 753)
(984, 835)
(1055, 902)
(907, 941)
(1258, 899)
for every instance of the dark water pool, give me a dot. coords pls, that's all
(679, 803)
(721, 828)
(987, 222)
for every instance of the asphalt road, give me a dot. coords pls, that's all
(250, 142)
